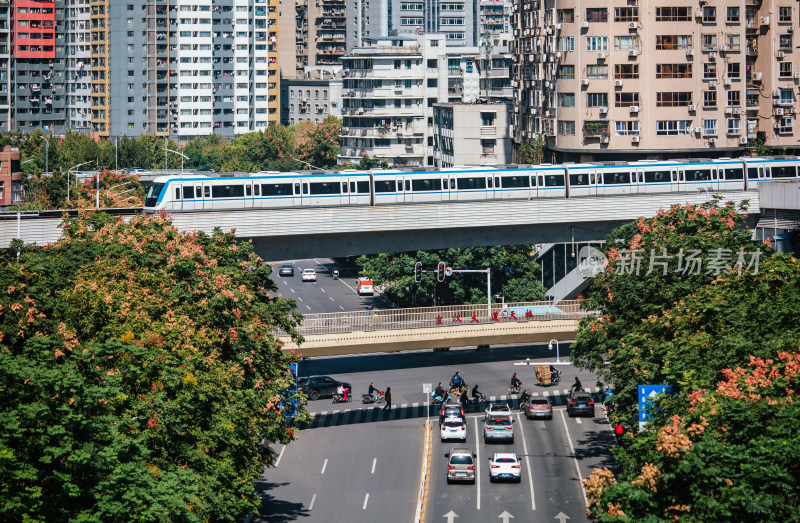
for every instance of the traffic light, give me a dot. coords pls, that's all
(440, 271)
(418, 271)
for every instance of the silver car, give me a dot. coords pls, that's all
(495, 410)
(460, 465)
(498, 427)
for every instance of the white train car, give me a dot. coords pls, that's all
(759, 169)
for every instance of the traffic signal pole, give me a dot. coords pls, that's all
(442, 271)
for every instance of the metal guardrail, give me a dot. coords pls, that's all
(430, 317)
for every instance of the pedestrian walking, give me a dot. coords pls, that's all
(388, 396)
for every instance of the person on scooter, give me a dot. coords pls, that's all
(515, 381)
(339, 393)
(577, 385)
(523, 400)
(465, 401)
(371, 392)
(457, 380)
(439, 393)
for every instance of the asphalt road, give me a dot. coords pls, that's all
(557, 453)
(326, 294)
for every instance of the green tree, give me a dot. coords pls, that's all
(204, 151)
(140, 373)
(318, 144)
(76, 148)
(531, 151)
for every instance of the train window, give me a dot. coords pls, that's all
(616, 178)
(489, 182)
(363, 187)
(472, 183)
(256, 189)
(399, 185)
(198, 192)
(656, 177)
(277, 189)
(248, 190)
(426, 185)
(752, 173)
(188, 193)
(784, 171)
(697, 175)
(578, 179)
(384, 186)
(353, 187)
(733, 174)
(177, 193)
(496, 182)
(152, 194)
(515, 181)
(325, 188)
(296, 188)
(207, 191)
(227, 191)
(408, 185)
(344, 187)
(554, 180)
(305, 188)
(533, 181)
(452, 183)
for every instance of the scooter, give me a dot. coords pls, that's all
(514, 390)
(438, 400)
(379, 398)
(338, 398)
(335, 274)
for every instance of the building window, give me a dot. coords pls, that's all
(565, 43)
(596, 43)
(734, 70)
(566, 128)
(487, 147)
(785, 41)
(785, 69)
(626, 43)
(627, 128)
(566, 72)
(710, 127)
(673, 70)
(734, 98)
(597, 14)
(622, 71)
(709, 42)
(566, 99)
(626, 99)
(734, 126)
(487, 118)
(597, 72)
(785, 124)
(626, 14)
(597, 99)
(673, 14)
(785, 14)
(710, 71)
(673, 99)
(566, 16)
(787, 97)
(732, 14)
(733, 42)
(673, 42)
(709, 99)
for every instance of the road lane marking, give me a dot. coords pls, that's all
(366, 498)
(477, 460)
(374, 461)
(341, 307)
(404, 405)
(291, 289)
(578, 421)
(277, 461)
(527, 460)
(317, 261)
(299, 298)
(575, 458)
(324, 464)
(331, 297)
(322, 289)
(313, 499)
(307, 307)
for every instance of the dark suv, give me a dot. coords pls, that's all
(580, 403)
(316, 387)
(451, 410)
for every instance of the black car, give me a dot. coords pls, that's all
(580, 403)
(451, 410)
(316, 387)
(287, 269)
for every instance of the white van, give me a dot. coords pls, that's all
(365, 287)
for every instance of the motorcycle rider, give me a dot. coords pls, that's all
(339, 393)
(577, 385)
(477, 397)
(371, 392)
(523, 400)
(457, 380)
(515, 381)
(465, 401)
(439, 392)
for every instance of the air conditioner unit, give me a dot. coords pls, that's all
(617, 83)
(724, 48)
(698, 130)
(743, 140)
(764, 20)
(712, 84)
(699, 13)
(780, 55)
(726, 81)
(547, 114)
(757, 76)
(737, 110)
(779, 111)
(632, 25)
(690, 52)
(558, 54)
(547, 85)
(601, 56)
(548, 30)
(634, 108)
(585, 25)
(729, 110)
(796, 75)
(776, 93)
(558, 27)
(693, 108)
(633, 52)
(712, 140)
(776, 125)
(585, 81)
(712, 56)
(604, 109)
(634, 139)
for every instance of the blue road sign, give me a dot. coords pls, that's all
(646, 394)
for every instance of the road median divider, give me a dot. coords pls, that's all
(424, 476)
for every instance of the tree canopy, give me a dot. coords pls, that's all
(140, 374)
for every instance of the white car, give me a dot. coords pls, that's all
(309, 275)
(454, 428)
(505, 465)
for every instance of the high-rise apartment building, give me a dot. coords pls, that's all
(313, 37)
(5, 63)
(458, 20)
(78, 65)
(388, 92)
(367, 18)
(647, 78)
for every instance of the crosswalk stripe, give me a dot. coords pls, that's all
(404, 405)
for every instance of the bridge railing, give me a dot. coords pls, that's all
(428, 317)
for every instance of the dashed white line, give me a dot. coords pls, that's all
(307, 307)
(578, 421)
(331, 297)
(299, 298)
(572, 448)
(291, 289)
(527, 460)
(374, 462)
(277, 461)
(313, 499)
(324, 464)
(341, 307)
(366, 498)
(322, 289)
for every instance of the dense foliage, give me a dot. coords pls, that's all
(721, 445)
(515, 276)
(140, 376)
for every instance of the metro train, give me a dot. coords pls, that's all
(272, 189)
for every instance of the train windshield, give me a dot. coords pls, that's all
(152, 194)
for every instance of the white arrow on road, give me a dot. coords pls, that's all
(450, 516)
(562, 517)
(505, 516)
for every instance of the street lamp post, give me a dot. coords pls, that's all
(183, 157)
(550, 346)
(306, 163)
(76, 176)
